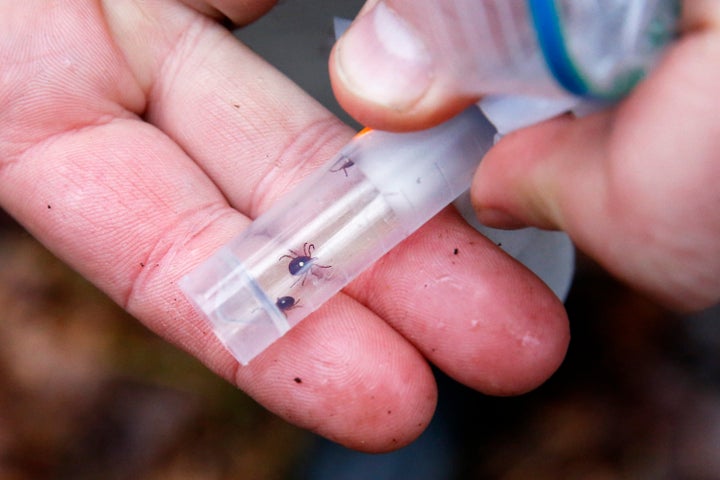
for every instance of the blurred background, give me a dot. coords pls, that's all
(86, 392)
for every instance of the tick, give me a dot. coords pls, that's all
(287, 303)
(343, 164)
(303, 264)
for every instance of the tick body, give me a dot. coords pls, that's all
(343, 164)
(303, 264)
(287, 303)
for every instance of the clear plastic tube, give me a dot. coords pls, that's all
(378, 190)
(382, 186)
(592, 48)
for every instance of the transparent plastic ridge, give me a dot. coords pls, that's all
(591, 48)
(614, 43)
(379, 189)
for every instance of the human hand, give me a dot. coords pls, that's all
(634, 186)
(136, 138)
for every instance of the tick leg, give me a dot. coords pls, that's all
(292, 256)
(346, 163)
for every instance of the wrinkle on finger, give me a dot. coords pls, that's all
(252, 130)
(292, 162)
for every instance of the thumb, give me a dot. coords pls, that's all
(406, 64)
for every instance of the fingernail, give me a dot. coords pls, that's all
(499, 219)
(383, 60)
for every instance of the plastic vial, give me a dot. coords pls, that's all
(590, 48)
(379, 189)
(383, 186)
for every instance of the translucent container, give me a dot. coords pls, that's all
(378, 190)
(591, 48)
(383, 186)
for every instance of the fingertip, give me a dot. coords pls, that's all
(518, 343)
(432, 109)
(476, 313)
(497, 218)
(346, 375)
(385, 75)
(533, 355)
(384, 58)
(518, 182)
